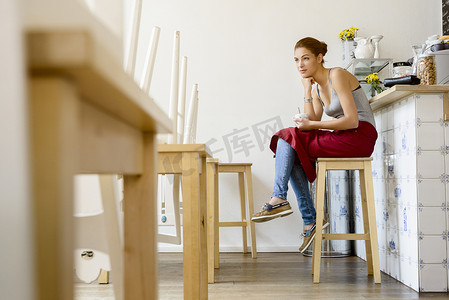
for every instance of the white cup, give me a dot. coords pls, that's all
(301, 116)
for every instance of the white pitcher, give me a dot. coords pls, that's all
(364, 49)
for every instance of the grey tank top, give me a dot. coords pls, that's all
(361, 102)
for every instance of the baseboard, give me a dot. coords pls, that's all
(177, 248)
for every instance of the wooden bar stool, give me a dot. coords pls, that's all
(245, 184)
(246, 204)
(363, 164)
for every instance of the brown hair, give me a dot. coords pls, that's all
(312, 44)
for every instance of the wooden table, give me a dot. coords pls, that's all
(189, 160)
(88, 116)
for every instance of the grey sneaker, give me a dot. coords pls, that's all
(309, 235)
(270, 212)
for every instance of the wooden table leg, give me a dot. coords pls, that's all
(211, 175)
(53, 127)
(216, 220)
(203, 231)
(191, 225)
(141, 229)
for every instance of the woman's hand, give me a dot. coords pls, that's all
(303, 124)
(308, 82)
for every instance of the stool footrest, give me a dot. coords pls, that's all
(232, 224)
(346, 236)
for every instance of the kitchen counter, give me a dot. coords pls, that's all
(399, 92)
(411, 185)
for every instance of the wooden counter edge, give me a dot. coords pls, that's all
(398, 92)
(202, 148)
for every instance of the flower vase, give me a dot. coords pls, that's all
(348, 51)
(373, 91)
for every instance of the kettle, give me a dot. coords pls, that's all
(364, 49)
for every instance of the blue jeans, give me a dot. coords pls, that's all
(288, 167)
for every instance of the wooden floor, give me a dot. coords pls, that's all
(273, 276)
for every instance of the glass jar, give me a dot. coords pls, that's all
(426, 69)
(401, 69)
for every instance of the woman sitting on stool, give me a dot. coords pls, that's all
(352, 134)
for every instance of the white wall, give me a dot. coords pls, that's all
(15, 225)
(241, 54)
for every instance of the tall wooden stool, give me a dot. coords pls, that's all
(246, 204)
(363, 164)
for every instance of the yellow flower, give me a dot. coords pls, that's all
(375, 82)
(348, 33)
(372, 78)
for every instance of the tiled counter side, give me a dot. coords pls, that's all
(411, 187)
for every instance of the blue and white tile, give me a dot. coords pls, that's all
(414, 283)
(431, 192)
(378, 169)
(394, 218)
(400, 114)
(399, 140)
(383, 140)
(340, 224)
(380, 189)
(410, 106)
(392, 192)
(410, 274)
(433, 278)
(382, 236)
(412, 219)
(409, 192)
(408, 138)
(390, 117)
(384, 120)
(383, 260)
(432, 249)
(430, 164)
(390, 166)
(378, 149)
(356, 185)
(431, 220)
(430, 136)
(407, 165)
(390, 142)
(393, 261)
(382, 216)
(446, 135)
(393, 240)
(400, 167)
(447, 227)
(404, 212)
(408, 246)
(360, 249)
(378, 120)
(429, 107)
(398, 190)
(402, 269)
